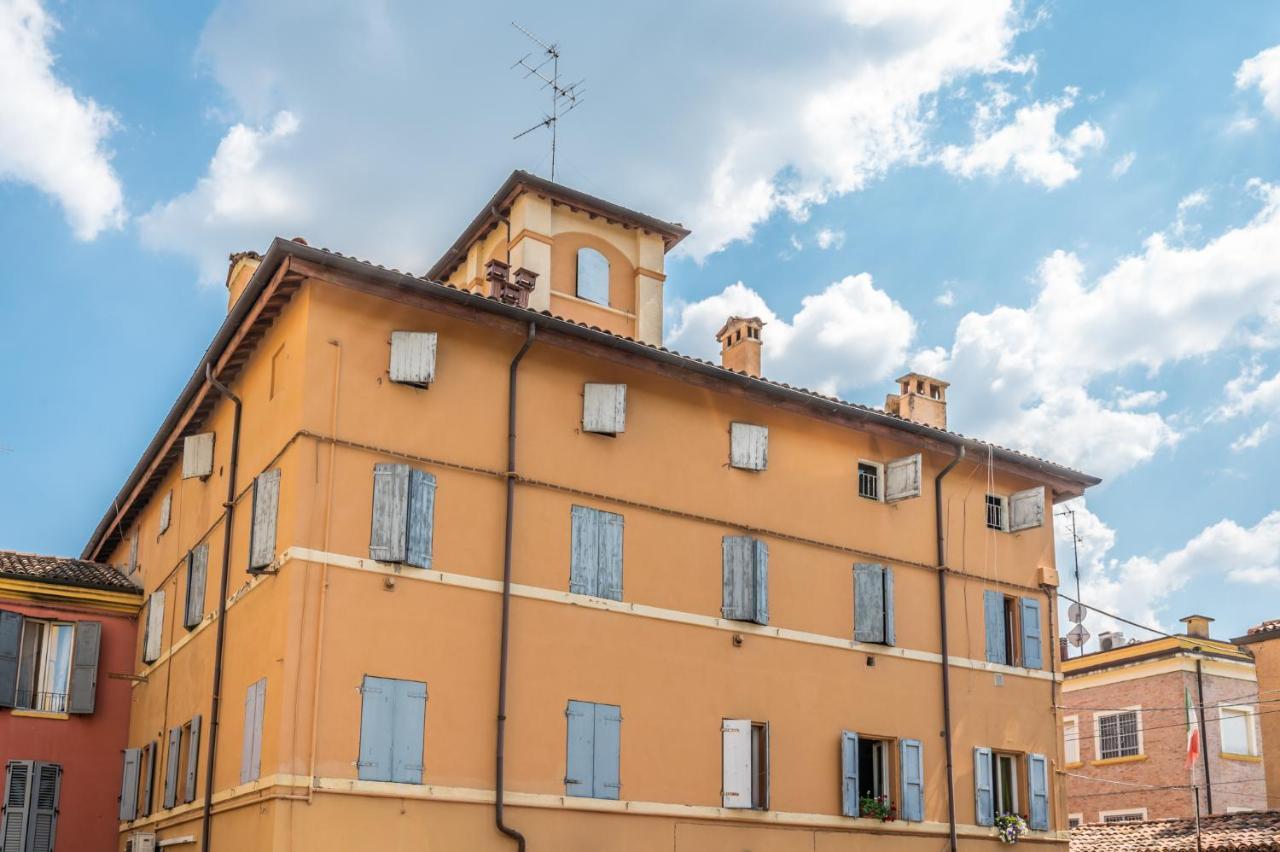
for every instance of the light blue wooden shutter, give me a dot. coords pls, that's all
(84, 667)
(739, 578)
(584, 557)
(388, 536)
(609, 580)
(255, 700)
(983, 790)
(890, 636)
(17, 802)
(193, 761)
(410, 712)
(849, 795)
(197, 571)
(129, 784)
(579, 777)
(760, 581)
(1032, 644)
(911, 763)
(1038, 783)
(171, 767)
(148, 777)
(266, 507)
(421, 518)
(153, 636)
(606, 782)
(10, 642)
(377, 724)
(45, 792)
(993, 617)
(868, 603)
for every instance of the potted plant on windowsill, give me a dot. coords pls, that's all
(876, 807)
(1010, 828)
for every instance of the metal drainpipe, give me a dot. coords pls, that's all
(504, 646)
(946, 664)
(1204, 741)
(221, 631)
(498, 213)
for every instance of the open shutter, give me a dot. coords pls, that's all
(748, 446)
(410, 714)
(869, 603)
(46, 789)
(421, 518)
(84, 667)
(251, 749)
(736, 786)
(129, 784)
(1032, 643)
(911, 761)
(584, 556)
(377, 722)
(849, 798)
(609, 580)
(197, 456)
(739, 578)
(266, 505)
(579, 774)
(171, 767)
(148, 778)
(993, 618)
(606, 781)
(890, 636)
(153, 639)
(197, 571)
(193, 761)
(1026, 509)
(983, 789)
(413, 357)
(388, 536)
(902, 478)
(133, 552)
(10, 643)
(1038, 784)
(760, 583)
(604, 408)
(166, 510)
(17, 802)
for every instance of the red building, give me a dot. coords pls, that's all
(65, 626)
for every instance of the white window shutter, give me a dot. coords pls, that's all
(166, 510)
(154, 636)
(413, 357)
(1026, 509)
(902, 478)
(604, 408)
(736, 734)
(266, 507)
(748, 446)
(197, 456)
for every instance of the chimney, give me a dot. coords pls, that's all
(739, 340)
(508, 289)
(920, 398)
(243, 265)
(1197, 625)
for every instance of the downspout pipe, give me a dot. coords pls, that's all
(206, 828)
(505, 643)
(940, 526)
(498, 214)
(1204, 739)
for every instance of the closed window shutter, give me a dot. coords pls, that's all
(266, 506)
(739, 578)
(902, 478)
(983, 790)
(84, 667)
(377, 725)
(606, 781)
(166, 510)
(604, 408)
(1032, 644)
(1026, 509)
(421, 518)
(133, 551)
(153, 638)
(171, 767)
(609, 581)
(993, 618)
(735, 735)
(869, 603)
(129, 784)
(388, 537)
(1038, 785)
(193, 761)
(197, 571)
(410, 714)
(148, 778)
(251, 749)
(10, 644)
(579, 777)
(584, 557)
(760, 582)
(17, 804)
(197, 456)
(748, 446)
(911, 762)
(849, 796)
(46, 789)
(413, 357)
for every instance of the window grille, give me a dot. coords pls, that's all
(1118, 735)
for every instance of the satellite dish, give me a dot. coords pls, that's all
(1076, 612)
(1077, 636)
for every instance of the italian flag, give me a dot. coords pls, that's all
(1193, 731)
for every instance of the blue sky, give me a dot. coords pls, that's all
(1069, 210)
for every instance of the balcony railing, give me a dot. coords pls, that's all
(44, 702)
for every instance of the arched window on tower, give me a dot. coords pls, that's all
(593, 276)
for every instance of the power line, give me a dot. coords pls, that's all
(1235, 701)
(1119, 618)
(1145, 728)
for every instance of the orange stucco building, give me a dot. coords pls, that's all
(713, 602)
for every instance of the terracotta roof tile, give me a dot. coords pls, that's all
(63, 571)
(1266, 626)
(1250, 831)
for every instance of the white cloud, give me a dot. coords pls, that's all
(1263, 73)
(1030, 144)
(1251, 440)
(848, 335)
(1181, 228)
(1122, 164)
(829, 238)
(1127, 400)
(51, 138)
(1248, 393)
(945, 299)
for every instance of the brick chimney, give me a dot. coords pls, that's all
(1197, 625)
(920, 398)
(243, 265)
(739, 340)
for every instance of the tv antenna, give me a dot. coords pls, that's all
(563, 98)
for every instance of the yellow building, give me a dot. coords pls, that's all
(726, 615)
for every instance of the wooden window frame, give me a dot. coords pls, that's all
(878, 469)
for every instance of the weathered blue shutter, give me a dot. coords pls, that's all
(410, 712)
(377, 723)
(171, 767)
(849, 795)
(251, 751)
(993, 617)
(760, 579)
(388, 536)
(17, 800)
(1032, 644)
(1038, 784)
(739, 578)
(148, 777)
(129, 784)
(421, 518)
(10, 642)
(868, 603)
(84, 667)
(584, 557)
(266, 507)
(45, 791)
(911, 761)
(579, 777)
(606, 782)
(193, 761)
(609, 580)
(197, 571)
(983, 790)
(890, 636)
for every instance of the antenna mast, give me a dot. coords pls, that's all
(563, 98)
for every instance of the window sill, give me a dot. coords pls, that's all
(39, 714)
(1133, 758)
(570, 297)
(1247, 758)
(1073, 765)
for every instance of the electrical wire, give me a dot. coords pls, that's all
(1235, 701)
(1120, 618)
(1146, 728)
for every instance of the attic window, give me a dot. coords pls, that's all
(593, 276)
